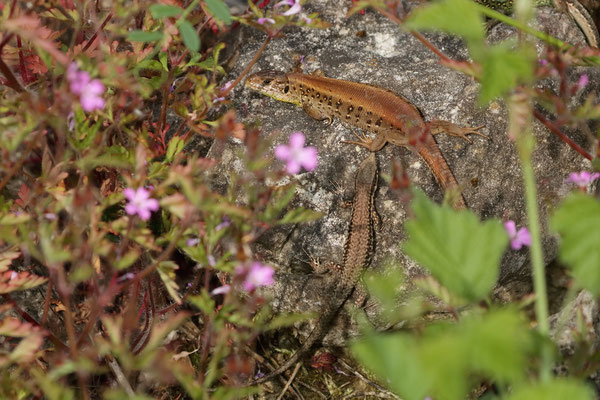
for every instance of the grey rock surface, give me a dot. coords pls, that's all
(388, 57)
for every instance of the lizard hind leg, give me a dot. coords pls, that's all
(438, 126)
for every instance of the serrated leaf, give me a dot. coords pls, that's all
(503, 67)
(577, 220)
(460, 251)
(446, 357)
(6, 258)
(190, 37)
(142, 36)
(497, 344)
(384, 287)
(14, 327)
(12, 281)
(175, 147)
(557, 389)
(219, 10)
(457, 17)
(387, 356)
(164, 10)
(26, 349)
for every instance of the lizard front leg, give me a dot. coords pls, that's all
(316, 112)
(370, 144)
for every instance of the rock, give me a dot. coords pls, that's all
(565, 325)
(388, 57)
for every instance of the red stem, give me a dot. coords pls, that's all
(89, 43)
(22, 68)
(56, 341)
(561, 135)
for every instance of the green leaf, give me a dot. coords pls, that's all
(388, 357)
(448, 360)
(299, 214)
(189, 35)
(166, 271)
(557, 389)
(284, 320)
(142, 36)
(497, 344)
(503, 67)
(461, 252)
(384, 287)
(577, 221)
(457, 17)
(219, 10)
(164, 10)
(13, 219)
(174, 148)
(126, 260)
(203, 302)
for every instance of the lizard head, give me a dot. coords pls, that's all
(274, 84)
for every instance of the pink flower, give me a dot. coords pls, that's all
(582, 179)
(583, 81)
(192, 242)
(296, 155)
(294, 9)
(140, 202)
(518, 238)
(256, 275)
(89, 90)
(263, 20)
(221, 290)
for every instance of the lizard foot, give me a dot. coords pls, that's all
(438, 126)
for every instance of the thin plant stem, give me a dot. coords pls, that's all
(247, 69)
(525, 144)
(521, 26)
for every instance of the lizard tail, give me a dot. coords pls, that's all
(314, 336)
(433, 157)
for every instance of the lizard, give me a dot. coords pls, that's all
(358, 250)
(390, 117)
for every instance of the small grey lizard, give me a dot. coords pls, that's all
(357, 255)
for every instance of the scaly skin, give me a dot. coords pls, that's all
(390, 117)
(357, 255)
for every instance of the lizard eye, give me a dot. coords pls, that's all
(267, 81)
(286, 89)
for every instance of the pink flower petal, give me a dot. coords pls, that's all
(510, 227)
(309, 158)
(293, 166)
(297, 140)
(282, 152)
(524, 236)
(151, 204)
(131, 209)
(221, 290)
(129, 194)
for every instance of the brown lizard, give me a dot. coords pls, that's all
(357, 255)
(389, 116)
